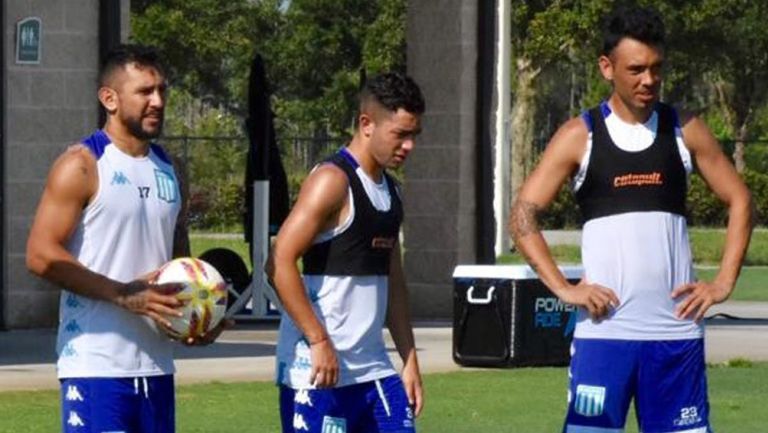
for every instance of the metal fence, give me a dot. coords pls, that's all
(214, 168)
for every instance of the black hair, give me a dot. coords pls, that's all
(642, 24)
(122, 55)
(393, 91)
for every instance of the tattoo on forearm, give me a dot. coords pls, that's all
(524, 219)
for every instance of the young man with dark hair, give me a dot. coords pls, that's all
(333, 369)
(110, 215)
(639, 333)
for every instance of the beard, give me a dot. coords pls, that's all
(138, 130)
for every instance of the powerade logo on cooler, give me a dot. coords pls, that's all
(548, 313)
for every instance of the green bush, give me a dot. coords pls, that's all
(703, 206)
(757, 182)
(563, 212)
(705, 209)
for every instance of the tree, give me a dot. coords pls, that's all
(323, 46)
(544, 33)
(740, 74)
(208, 44)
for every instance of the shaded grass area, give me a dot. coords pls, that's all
(752, 284)
(707, 248)
(493, 401)
(199, 243)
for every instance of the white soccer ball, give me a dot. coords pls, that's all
(203, 291)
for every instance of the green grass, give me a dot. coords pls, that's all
(562, 254)
(199, 243)
(751, 286)
(525, 400)
(707, 246)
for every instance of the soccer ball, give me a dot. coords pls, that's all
(203, 291)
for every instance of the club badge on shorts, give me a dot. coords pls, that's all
(590, 400)
(334, 425)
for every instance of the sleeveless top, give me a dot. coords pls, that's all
(346, 273)
(125, 232)
(631, 189)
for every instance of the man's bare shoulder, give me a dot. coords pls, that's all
(570, 140)
(326, 183)
(76, 153)
(74, 170)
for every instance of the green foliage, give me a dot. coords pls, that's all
(751, 283)
(313, 51)
(705, 209)
(563, 212)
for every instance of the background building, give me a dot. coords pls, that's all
(50, 57)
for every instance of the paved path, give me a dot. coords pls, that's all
(246, 353)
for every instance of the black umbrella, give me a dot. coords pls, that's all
(264, 162)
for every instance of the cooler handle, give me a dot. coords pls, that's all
(480, 301)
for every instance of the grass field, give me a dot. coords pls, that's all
(752, 285)
(530, 400)
(707, 247)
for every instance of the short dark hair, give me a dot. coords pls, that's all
(642, 24)
(393, 91)
(122, 55)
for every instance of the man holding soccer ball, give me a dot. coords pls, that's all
(333, 369)
(639, 334)
(110, 215)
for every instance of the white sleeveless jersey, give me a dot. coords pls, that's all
(642, 256)
(352, 309)
(125, 232)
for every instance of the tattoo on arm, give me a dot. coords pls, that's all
(524, 218)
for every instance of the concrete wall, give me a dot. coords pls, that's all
(47, 107)
(439, 191)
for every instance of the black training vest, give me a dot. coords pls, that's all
(364, 248)
(618, 181)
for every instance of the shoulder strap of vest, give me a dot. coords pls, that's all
(668, 118)
(97, 142)
(160, 152)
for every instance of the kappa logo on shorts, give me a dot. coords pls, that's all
(73, 394)
(302, 397)
(590, 400)
(299, 423)
(334, 425)
(74, 419)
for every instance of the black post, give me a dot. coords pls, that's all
(3, 260)
(109, 36)
(485, 227)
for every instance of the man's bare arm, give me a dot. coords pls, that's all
(70, 185)
(728, 186)
(560, 159)
(321, 200)
(401, 330)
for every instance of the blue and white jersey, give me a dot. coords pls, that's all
(644, 253)
(126, 231)
(351, 307)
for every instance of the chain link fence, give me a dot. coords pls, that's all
(214, 168)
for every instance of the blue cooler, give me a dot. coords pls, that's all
(504, 316)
